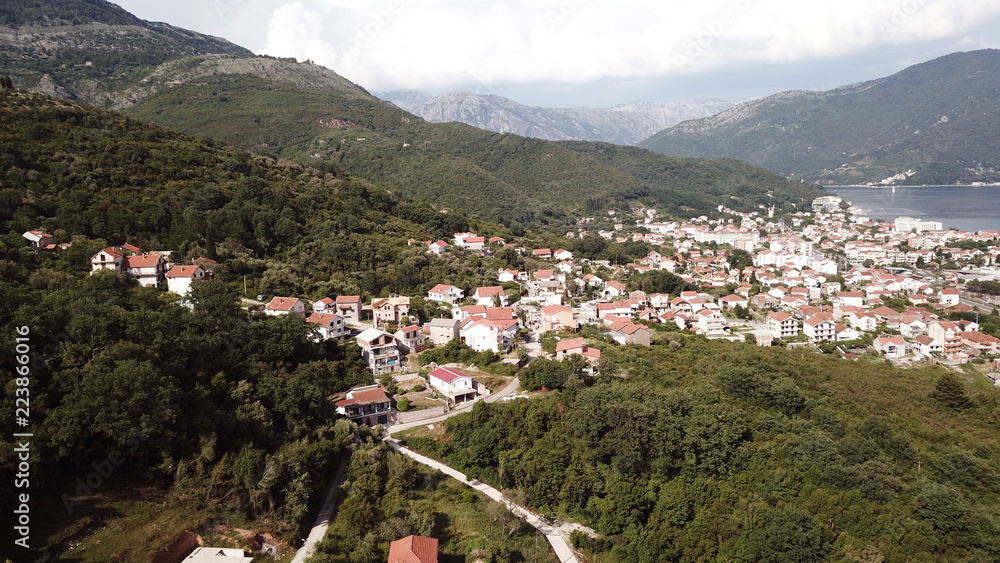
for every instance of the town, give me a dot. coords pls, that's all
(828, 278)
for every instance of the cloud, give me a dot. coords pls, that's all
(437, 43)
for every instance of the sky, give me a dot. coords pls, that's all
(566, 53)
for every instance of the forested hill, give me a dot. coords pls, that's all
(93, 52)
(199, 403)
(503, 177)
(698, 450)
(90, 50)
(938, 119)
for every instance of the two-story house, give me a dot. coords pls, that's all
(147, 269)
(285, 305)
(782, 325)
(180, 278)
(331, 326)
(366, 405)
(557, 318)
(380, 351)
(458, 386)
(444, 293)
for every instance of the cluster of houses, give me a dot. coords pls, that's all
(150, 269)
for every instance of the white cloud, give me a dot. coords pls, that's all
(436, 43)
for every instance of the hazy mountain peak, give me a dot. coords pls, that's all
(625, 123)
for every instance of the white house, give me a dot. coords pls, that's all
(331, 326)
(38, 239)
(108, 259)
(147, 269)
(711, 323)
(926, 346)
(444, 293)
(443, 331)
(482, 334)
(485, 296)
(456, 385)
(845, 333)
(325, 305)
(180, 278)
(894, 347)
(437, 247)
(782, 325)
(562, 254)
(820, 328)
(950, 296)
(285, 305)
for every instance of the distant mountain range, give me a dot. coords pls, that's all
(937, 119)
(623, 124)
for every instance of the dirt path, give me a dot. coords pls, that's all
(325, 515)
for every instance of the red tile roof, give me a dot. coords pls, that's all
(143, 260)
(448, 375)
(182, 271)
(413, 549)
(282, 303)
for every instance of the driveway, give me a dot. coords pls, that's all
(553, 534)
(325, 515)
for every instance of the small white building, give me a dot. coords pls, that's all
(444, 293)
(331, 326)
(147, 269)
(108, 259)
(456, 385)
(284, 306)
(180, 278)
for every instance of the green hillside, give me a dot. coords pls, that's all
(697, 450)
(938, 119)
(90, 50)
(289, 111)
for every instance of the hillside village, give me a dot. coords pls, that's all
(829, 279)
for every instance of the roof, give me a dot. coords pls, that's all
(445, 323)
(349, 299)
(442, 288)
(372, 334)
(489, 291)
(364, 397)
(143, 260)
(779, 316)
(499, 313)
(413, 549)
(113, 252)
(322, 319)
(183, 271)
(570, 344)
(282, 303)
(979, 337)
(556, 309)
(448, 375)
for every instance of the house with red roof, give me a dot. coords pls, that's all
(487, 296)
(413, 549)
(108, 259)
(284, 306)
(147, 269)
(894, 347)
(566, 348)
(457, 385)
(411, 339)
(38, 239)
(366, 405)
(558, 318)
(624, 332)
(444, 293)
(180, 278)
(981, 343)
(325, 305)
(543, 253)
(782, 325)
(949, 296)
(331, 326)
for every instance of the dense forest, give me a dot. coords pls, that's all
(692, 450)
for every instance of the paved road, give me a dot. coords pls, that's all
(978, 305)
(325, 515)
(559, 544)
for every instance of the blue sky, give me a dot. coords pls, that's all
(563, 53)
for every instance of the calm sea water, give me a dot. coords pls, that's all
(969, 208)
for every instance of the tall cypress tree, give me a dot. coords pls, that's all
(950, 392)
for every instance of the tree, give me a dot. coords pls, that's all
(950, 392)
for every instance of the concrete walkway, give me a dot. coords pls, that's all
(559, 544)
(325, 515)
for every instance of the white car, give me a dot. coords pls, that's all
(510, 397)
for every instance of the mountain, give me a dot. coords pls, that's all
(937, 119)
(308, 114)
(624, 124)
(89, 50)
